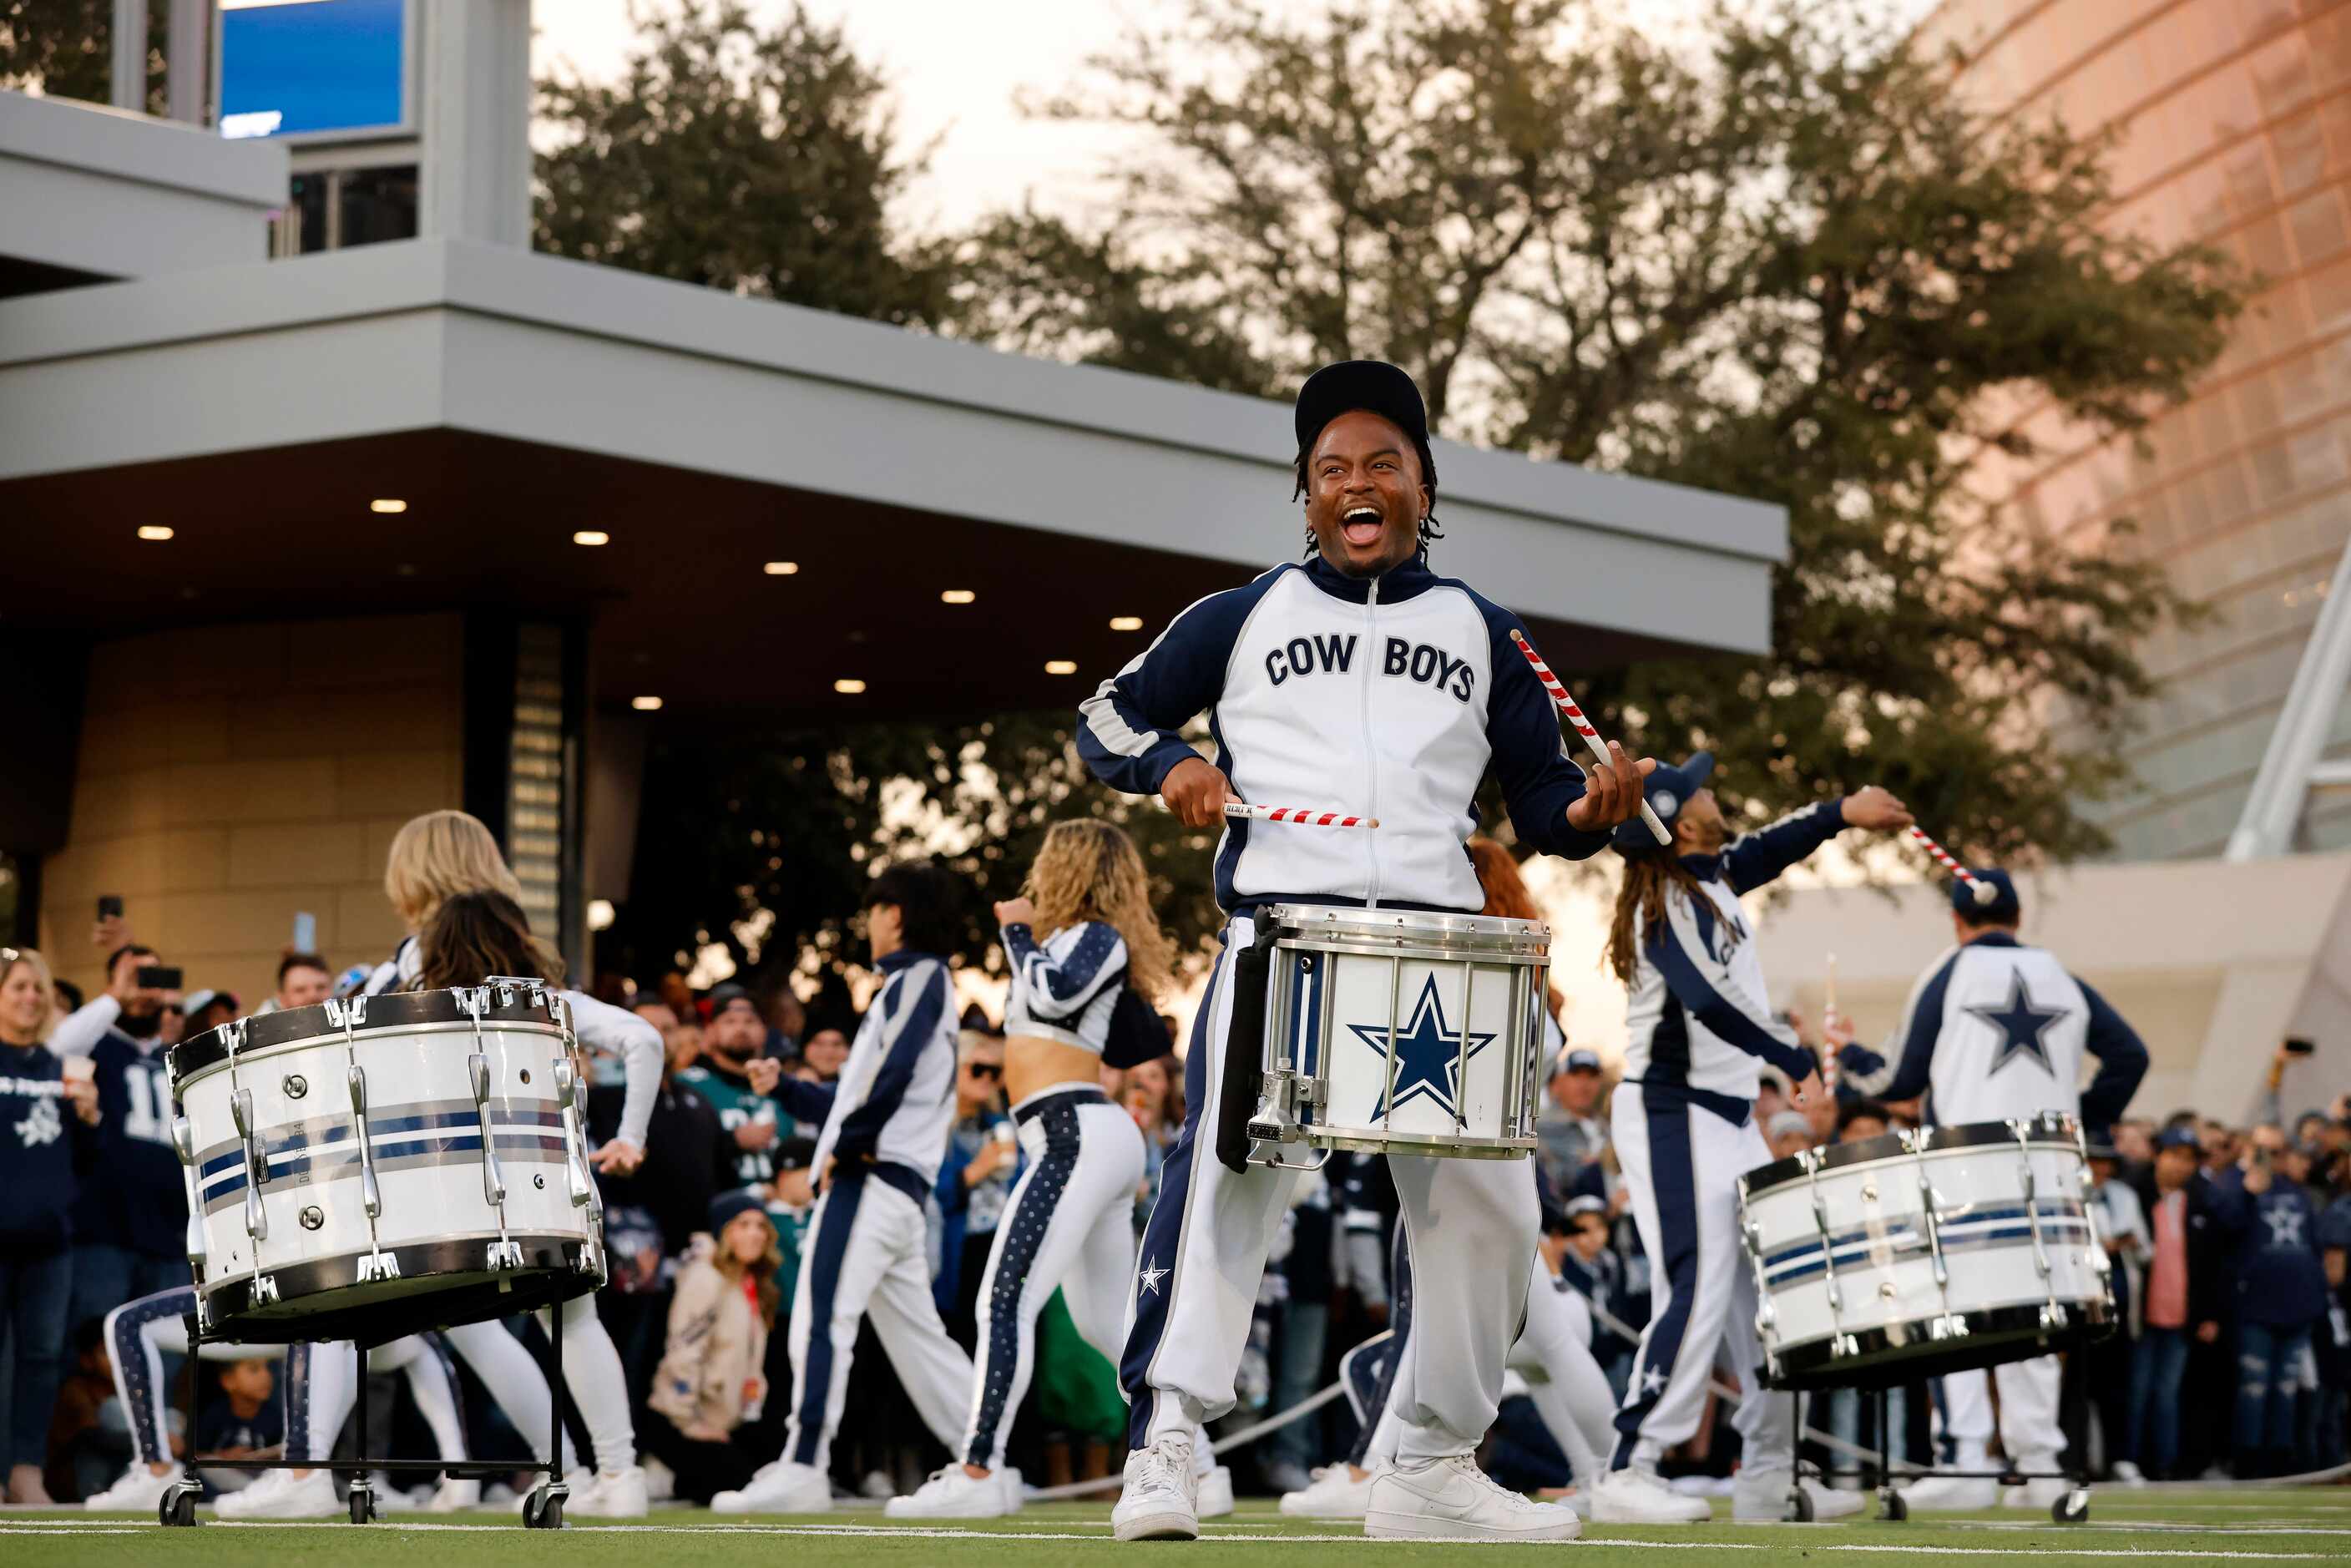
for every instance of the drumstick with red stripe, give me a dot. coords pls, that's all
(1566, 705)
(1980, 889)
(1242, 808)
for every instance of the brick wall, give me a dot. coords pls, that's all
(230, 775)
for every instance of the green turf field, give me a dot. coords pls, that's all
(2262, 1526)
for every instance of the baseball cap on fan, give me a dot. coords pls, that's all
(1373, 385)
(1669, 790)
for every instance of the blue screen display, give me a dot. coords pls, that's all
(310, 65)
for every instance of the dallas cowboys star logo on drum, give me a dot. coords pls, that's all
(2023, 1028)
(1429, 1056)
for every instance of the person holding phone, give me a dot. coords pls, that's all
(2281, 1293)
(131, 1220)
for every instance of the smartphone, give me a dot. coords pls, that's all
(158, 976)
(2300, 1047)
(306, 932)
(110, 906)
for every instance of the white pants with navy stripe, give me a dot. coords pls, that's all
(1682, 1163)
(1472, 1225)
(2028, 1432)
(868, 1254)
(1070, 1224)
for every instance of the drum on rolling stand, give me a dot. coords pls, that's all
(1393, 1031)
(373, 1166)
(1924, 1253)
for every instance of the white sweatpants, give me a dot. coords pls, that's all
(1472, 1225)
(868, 1252)
(2029, 1431)
(591, 1373)
(1070, 1224)
(1682, 1163)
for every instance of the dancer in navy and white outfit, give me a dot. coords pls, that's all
(867, 1252)
(1700, 1032)
(1086, 957)
(1997, 1030)
(1363, 682)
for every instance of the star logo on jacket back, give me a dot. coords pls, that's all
(2023, 1029)
(1429, 1056)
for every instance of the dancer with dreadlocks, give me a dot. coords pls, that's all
(1700, 1029)
(1359, 682)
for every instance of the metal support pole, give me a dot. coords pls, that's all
(127, 45)
(362, 1498)
(187, 62)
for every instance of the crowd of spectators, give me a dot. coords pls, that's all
(2229, 1246)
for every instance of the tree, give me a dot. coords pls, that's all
(760, 161)
(65, 49)
(1789, 263)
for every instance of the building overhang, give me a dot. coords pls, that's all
(513, 399)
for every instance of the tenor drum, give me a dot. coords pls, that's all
(375, 1165)
(1919, 1254)
(1398, 1031)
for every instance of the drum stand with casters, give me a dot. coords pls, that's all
(2073, 1508)
(542, 1509)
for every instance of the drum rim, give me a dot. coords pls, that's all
(1424, 1143)
(312, 1025)
(2051, 1129)
(1385, 925)
(1804, 1365)
(303, 1281)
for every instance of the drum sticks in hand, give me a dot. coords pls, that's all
(1566, 705)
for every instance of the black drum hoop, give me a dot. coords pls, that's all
(440, 1284)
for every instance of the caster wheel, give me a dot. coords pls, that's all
(1800, 1507)
(1894, 1509)
(177, 1507)
(363, 1504)
(542, 1510)
(2073, 1507)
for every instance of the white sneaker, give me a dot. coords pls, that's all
(1453, 1499)
(780, 1486)
(614, 1494)
(1334, 1493)
(1951, 1494)
(952, 1492)
(279, 1494)
(138, 1490)
(454, 1493)
(660, 1482)
(2128, 1474)
(1212, 1494)
(390, 1498)
(1635, 1496)
(1762, 1498)
(1157, 1502)
(1016, 1490)
(2042, 1494)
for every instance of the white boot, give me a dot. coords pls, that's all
(1452, 1500)
(1334, 1493)
(1635, 1496)
(1951, 1494)
(139, 1490)
(781, 1486)
(1212, 1494)
(952, 1492)
(1761, 1496)
(1157, 1503)
(614, 1494)
(456, 1493)
(280, 1494)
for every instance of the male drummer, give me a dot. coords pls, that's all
(1997, 1030)
(1359, 681)
(1700, 1030)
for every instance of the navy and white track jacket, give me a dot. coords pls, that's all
(895, 1098)
(1699, 1018)
(1386, 697)
(1067, 988)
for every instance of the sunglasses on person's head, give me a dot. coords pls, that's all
(984, 1069)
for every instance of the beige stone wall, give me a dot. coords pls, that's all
(231, 776)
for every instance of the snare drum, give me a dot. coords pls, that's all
(374, 1165)
(1919, 1254)
(1400, 1032)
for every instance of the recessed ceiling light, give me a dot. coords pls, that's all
(1127, 623)
(592, 537)
(782, 567)
(154, 531)
(387, 505)
(849, 688)
(645, 705)
(957, 596)
(1061, 667)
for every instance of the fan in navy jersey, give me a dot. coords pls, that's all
(1359, 681)
(131, 1223)
(47, 1142)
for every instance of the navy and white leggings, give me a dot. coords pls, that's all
(1069, 1224)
